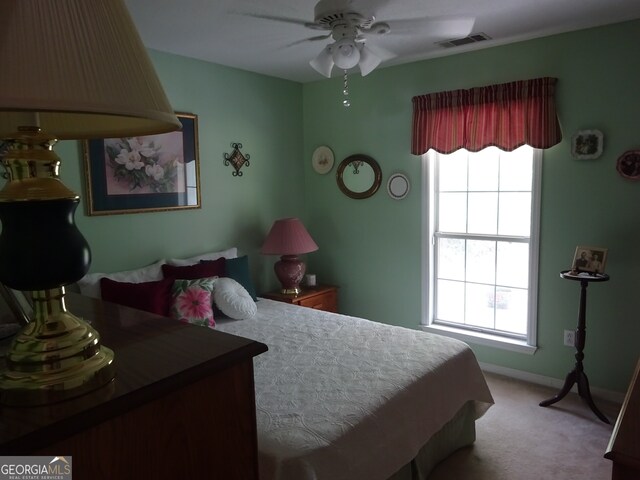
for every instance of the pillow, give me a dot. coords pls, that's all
(90, 284)
(233, 300)
(181, 262)
(215, 268)
(191, 301)
(154, 297)
(238, 269)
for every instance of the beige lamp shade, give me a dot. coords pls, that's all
(78, 69)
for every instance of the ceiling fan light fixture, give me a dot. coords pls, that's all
(323, 63)
(346, 53)
(368, 60)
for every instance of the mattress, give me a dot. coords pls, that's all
(340, 397)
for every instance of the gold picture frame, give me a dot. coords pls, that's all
(589, 259)
(144, 174)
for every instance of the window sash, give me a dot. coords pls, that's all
(430, 250)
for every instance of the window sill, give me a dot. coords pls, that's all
(479, 338)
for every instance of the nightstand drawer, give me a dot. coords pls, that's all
(327, 301)
(321, 297)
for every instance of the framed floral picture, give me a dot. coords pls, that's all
(144, 174)
(587, 144)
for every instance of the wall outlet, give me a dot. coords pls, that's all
(569, 338)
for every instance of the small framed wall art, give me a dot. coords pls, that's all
(628, 165)
(587, 144)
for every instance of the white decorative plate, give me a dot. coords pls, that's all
(398, 186)
(322, 159)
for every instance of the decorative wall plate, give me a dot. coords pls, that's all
(322, 159)
(628, 164)
(587, 144)
(398, 186)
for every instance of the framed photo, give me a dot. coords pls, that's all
(587, 144)
(17, 303)
(144, 174)
(589, 259)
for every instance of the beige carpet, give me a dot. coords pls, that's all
(519, 440)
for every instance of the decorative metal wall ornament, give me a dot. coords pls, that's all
(237, 159)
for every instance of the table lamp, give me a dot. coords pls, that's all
(72, 69)
(289, 238)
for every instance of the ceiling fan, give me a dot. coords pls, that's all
(351, 27)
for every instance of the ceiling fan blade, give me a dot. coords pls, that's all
(294, 21)
(323, 63)
(310, 39)
(435, 27)
(368, 61)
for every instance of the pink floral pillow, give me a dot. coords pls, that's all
(191, 301)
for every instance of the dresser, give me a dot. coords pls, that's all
(182, 404)
(320, 297)
(624, 445)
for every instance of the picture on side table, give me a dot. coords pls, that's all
(589, 259)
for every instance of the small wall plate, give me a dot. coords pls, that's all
(398, 186)
(322, 159)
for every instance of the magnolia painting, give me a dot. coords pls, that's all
(143, 165)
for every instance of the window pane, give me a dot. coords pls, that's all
(516, 169)
(452, 174)
(512, 315)
(513, 264)
(452, 212)
(481, 261)
(449, 303)
(478, 304)
(483, 213)
(484, 169)
(451, 258)
(515, 214)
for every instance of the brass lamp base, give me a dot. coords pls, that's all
(55, 357)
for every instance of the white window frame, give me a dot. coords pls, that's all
(528, 345)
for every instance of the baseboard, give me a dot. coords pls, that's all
(600, 393)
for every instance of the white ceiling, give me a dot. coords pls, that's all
(217, 31)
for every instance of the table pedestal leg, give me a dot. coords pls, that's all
(577, 375)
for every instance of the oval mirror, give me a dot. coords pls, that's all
(359, 176)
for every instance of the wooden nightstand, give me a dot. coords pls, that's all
(321, 297)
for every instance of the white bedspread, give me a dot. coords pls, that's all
(339, 397)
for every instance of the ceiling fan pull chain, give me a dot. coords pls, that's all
(346, 102)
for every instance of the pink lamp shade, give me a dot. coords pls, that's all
(289, 238)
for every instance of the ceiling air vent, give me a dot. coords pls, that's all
(473, 38)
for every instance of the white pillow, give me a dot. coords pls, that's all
(90, 284)
(233, 300)
(182, 262)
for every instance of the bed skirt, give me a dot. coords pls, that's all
(459, 432)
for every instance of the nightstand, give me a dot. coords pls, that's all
(320, 297)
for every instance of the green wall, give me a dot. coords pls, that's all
(372, 247)
(265, 115)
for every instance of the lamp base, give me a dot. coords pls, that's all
(55, 357)
(290, 271)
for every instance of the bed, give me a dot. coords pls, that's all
(337, 397)
(340, 397)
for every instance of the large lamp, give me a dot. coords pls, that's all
(289, 238)
(72, 69)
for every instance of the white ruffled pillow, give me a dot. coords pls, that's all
(182, 262)
(90, 284)
(233, 299)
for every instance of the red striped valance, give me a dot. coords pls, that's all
(507, 116)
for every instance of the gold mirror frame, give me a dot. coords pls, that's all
(377, 180)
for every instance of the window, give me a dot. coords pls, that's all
(482, 250)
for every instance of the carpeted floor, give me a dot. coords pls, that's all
(519, 440)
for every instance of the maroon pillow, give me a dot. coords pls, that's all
(154, 297)
(214, 268)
